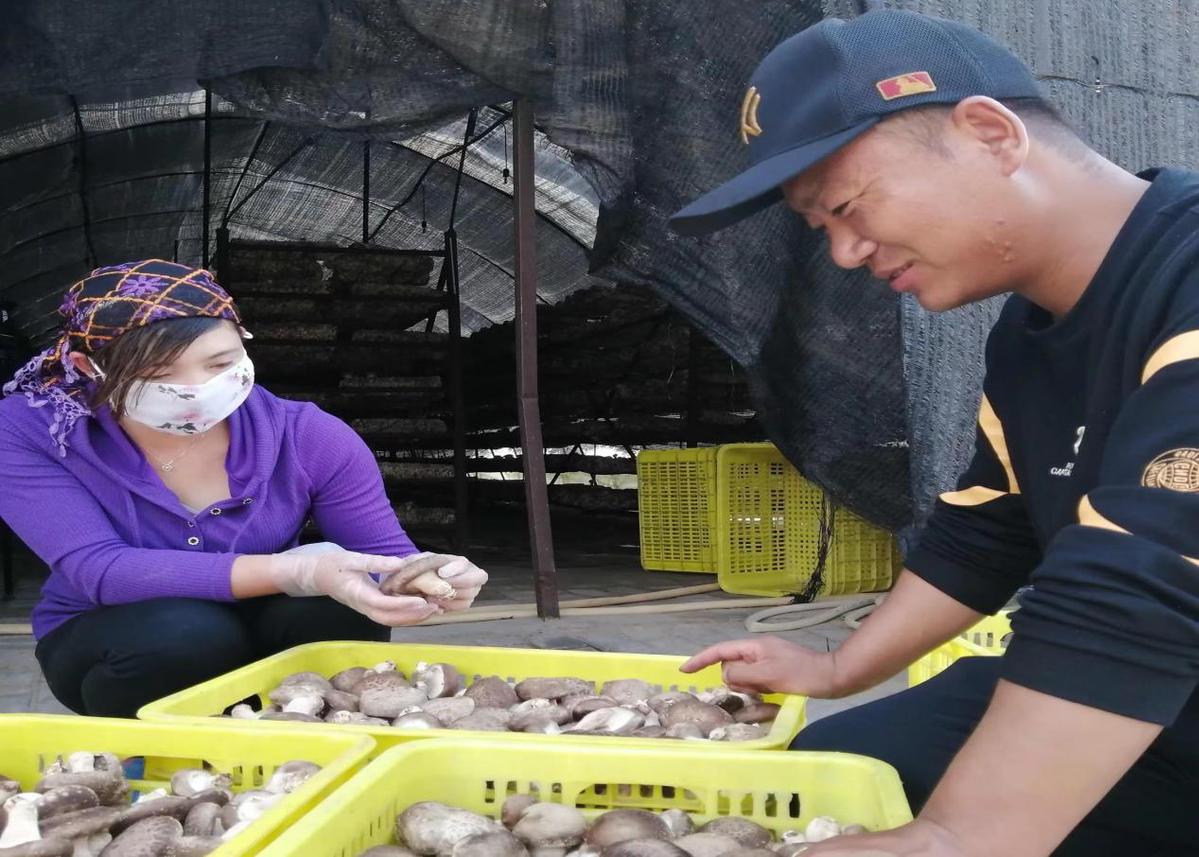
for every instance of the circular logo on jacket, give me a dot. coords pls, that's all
(1177, 470)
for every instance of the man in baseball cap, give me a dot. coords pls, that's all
(927, 154)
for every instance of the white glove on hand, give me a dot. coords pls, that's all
(327, 569)
(459, 572)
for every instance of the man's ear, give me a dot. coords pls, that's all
(1000, 132)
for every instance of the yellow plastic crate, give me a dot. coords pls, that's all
(781, 791)
(676, 502)
(198, 704)
(29, 743)
(769, 531)
(988, 637)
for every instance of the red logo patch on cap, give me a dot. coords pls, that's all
(903, 85)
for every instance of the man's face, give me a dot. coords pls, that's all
(934, 221)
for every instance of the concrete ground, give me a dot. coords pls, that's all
(595, 558)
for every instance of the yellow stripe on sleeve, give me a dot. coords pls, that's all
(1185, 346)
(993, 429)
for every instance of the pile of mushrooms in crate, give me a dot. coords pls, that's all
(533, 829)
(437, 697)
(81, 808)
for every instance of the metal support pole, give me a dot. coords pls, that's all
(207, 171)
(528, 405)
(457, 401)
(694, 405)
(223, 273)
(366, 191)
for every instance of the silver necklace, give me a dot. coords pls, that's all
(168, 465)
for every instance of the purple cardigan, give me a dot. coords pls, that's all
(112, 533)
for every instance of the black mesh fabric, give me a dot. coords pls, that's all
(636, 104)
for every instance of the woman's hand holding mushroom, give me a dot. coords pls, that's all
(451, 582)
(345, 576)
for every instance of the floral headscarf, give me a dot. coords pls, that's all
(99, 308)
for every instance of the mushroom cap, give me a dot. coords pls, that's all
(748, 833)
(417, 720)
(203, 819)
(450, 709)
(627, 691)
(66, 799)
(821, 828)
(707, 844)
(496, 843)
(684, 732)
(619, 825)
(195, 846)
(150, 837)
(614, 721)
(551, 825)
(387, 851)
(191, 781)
(340, 700)
(758, 712)
(751, 852)
(643, 848)
(664, 700)
(484, 720)
(430, 827)
(390, 701)
(706, 717)
(110, 787)
(355, 718)
(313, 705)
(308, 678)
(590, 704)
(83, 822)
(378, 681)
(678, 822)
(492, 692)
(53, 847)
(346, 679)
(293, 716)
(552, 688)
(291, 775)
(537, 709)
(172, 805)
(738, 732)
(439, 680)
(514, 807)
(218, 796)
(285, 694)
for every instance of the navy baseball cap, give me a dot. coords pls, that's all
(829, 84)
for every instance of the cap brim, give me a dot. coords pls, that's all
(758, 187)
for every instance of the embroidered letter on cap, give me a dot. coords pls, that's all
(903, 85)
(749, 115)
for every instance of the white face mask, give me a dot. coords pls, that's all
(191, 408)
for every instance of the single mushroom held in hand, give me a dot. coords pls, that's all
(427, 583)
